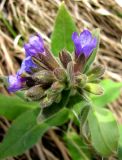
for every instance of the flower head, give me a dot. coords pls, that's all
(84, 44)
(26, 66)
(15, 83)
(46, 78)
(35, 46)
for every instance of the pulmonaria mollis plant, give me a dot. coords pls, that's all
(62, 80)
(45, 77)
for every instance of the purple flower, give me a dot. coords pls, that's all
(84, 44)
(26, 66)
(15, 83)
(35, 46)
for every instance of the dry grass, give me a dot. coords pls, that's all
(19, 19)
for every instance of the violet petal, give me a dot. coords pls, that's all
(84, 44)
(26, 66)
(15, 83)
(88, 49)
(35, 46)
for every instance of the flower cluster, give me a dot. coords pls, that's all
(33, 48)
(44, 77)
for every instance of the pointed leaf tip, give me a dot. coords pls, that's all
(63, 29)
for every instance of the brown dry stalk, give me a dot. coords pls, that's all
(59, 144)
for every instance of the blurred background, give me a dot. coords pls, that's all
(20, 19)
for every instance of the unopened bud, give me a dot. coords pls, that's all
(43, 76)
(60, 74)
(34, 93)
(70, 71)
(65, 58)
(95, 73)
(49, 60)
(47, 101)
(94, 88)
(81, 80)
(57, 87)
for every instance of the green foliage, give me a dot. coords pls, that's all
(76, 104)
(84, 119)
(62, 33)
(74, 100)
(25, 131)
(111, 93)
(104, 131)
(13, 106)
(76, 146)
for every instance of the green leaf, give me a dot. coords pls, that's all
(120, 143)
(111, 93)
(76, 104)
(74, 101)
(104, 131)
(21, 94)
(84, 120)
(13, 106)
(78, 150)
(95, 33)
(63, 29)
(25, 131)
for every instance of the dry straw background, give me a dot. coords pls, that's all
(20, 18)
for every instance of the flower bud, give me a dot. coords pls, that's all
(51, 98)
(48, 60)
(35, 46)
(70, 72)
(60, 74)
(35, 93)
(94, 88)
(65, 58)
(43, 77)
(81, 80)
(47, 101)
(57, 87)
(95, 73)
